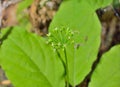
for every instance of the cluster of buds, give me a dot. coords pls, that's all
(60, 37)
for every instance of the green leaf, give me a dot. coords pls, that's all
(81, 18)
(107, 73)
(29, 62)
(99, 3)
(22, 15)
(24, 4)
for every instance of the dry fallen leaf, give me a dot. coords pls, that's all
(5, 82)
(41, 13)
(8, 12)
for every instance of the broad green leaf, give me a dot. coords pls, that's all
(80, 17)
(29, 62)
(107, 73)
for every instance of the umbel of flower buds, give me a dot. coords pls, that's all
(59, 38)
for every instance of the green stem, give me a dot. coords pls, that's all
(65, 64)
(67, 73)
(61, 60)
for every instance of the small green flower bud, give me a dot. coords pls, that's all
(64, 45)
(49, 34)
(69, 38)
(52, 44)
(56, 29)
(59, 44)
